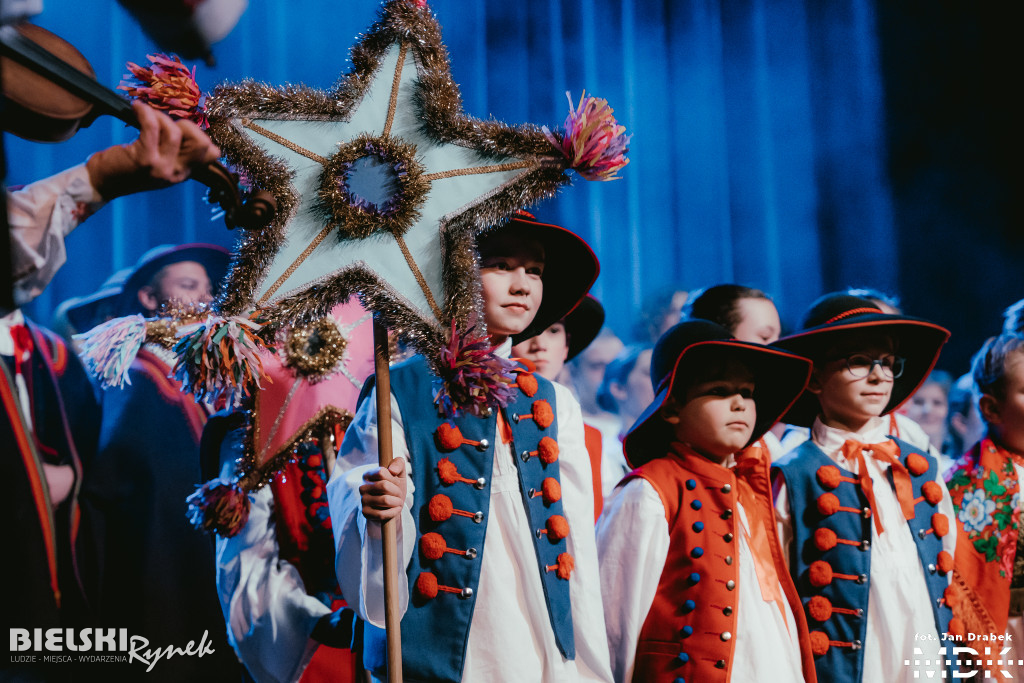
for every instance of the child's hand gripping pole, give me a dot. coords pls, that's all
(392, 617)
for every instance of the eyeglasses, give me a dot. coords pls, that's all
(862, 365)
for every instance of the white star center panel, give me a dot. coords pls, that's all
(380, 252)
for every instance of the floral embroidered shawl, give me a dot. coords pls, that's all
(985, 491)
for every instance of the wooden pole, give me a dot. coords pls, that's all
(328, 449)
(392, 617)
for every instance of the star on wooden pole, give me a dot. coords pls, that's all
(382, 184)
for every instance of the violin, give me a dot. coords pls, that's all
(51, 91)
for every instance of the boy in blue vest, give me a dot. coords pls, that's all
(694, 582)
(525, 606)
(865, 517)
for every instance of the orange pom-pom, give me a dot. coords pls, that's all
(558, 528)
(440, 508)
(542, 414)
(448, 471)
(951, 597)
(829, 476)
(449, 437)
(547, 449)
(940, 524)
(819, 643)
(956, 627)
(820, 573)
(825, 539)
(566, 564)
(820, 608)
(426, 585)
(944, 562)
(932, 492)
(552, 490)
(828, 504)
(917, 464)
(527, 384)
(432, 546)
(314, 461)
(316, 492)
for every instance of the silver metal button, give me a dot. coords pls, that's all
(471, 553)
(467, 592)
(483, 445)
(525, 455)
(478, 517)
(728, 559)
(480, 483)
(727, 488)
(725, 636)
(727, 514)
(730, 584)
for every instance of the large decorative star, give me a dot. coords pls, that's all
(382, 185)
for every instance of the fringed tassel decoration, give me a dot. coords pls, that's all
(220, 359)
(472, 379)
(108, 350)
(220, 506)
(167, 85)
(593, 142)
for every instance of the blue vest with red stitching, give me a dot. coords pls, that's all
(806, 476)
(435, 628)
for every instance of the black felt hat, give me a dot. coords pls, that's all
(687, 348)
(213, 258)
(836, 316)
(570, 268)
(583, 324)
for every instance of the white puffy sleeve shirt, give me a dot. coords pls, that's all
(900, 616)
(41, 215)
(633, 543)
(510, 638)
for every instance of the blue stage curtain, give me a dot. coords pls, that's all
(758, 153)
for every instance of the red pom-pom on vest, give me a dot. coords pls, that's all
(829, 476)
(448, 471)
(917, 464)
(932, 492)
(542, 414)
(820, 573)
(819, 643)
(940, 524)
(956, 627)
(426, 585)
(432, 545)
(552, 490)
(449, 437)
(527, 384)
(314, 461)
(440, 508)
(828, 504)
(825, 539)
(951, 598)
(944, 562)
(558, 528)
(547, 449)
(820, 608)
(566, 564)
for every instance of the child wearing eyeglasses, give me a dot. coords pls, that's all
(864, 518)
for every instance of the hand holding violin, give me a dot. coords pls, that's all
(166, 152)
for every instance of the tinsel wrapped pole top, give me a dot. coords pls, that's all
(383, 183)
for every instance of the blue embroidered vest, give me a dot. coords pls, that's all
(819, 552)
(451, 509)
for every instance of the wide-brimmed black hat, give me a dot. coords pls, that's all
(213, 258)
(838, 315)
(583, 324)
(681, 354)
(86, 312)
(570, 268)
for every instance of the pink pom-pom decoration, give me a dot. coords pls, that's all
(219, 359)
(593, 142)
(167, 85)
(219, 506)
(108, 350)
(472, 379)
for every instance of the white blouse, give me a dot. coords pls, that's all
(633, 543)
(510, 638)
(900, 616)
